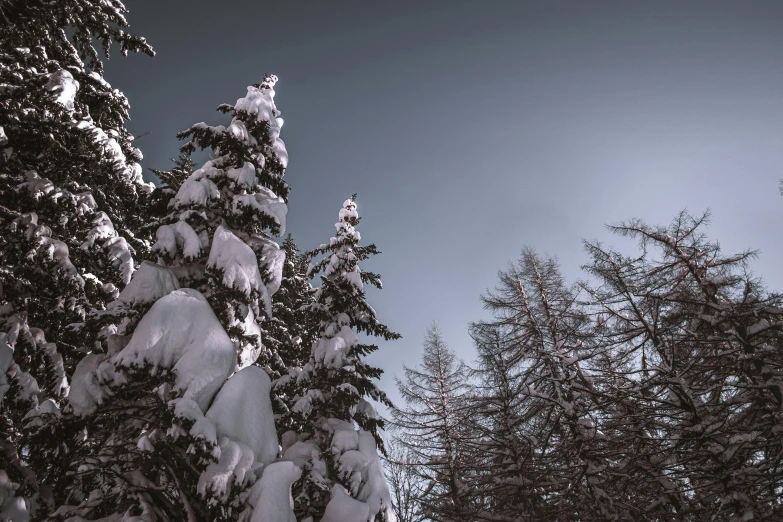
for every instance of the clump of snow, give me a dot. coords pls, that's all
(121, 255)
(259, 102)
(345, 438)
(102, 228)
(236, 260)
(248, 354)
(273, 258)
(374, 490)
(64, 87)
(271, 496)
(333, 352)
(266, 201)
(149, 283)
(6, 359)
(301, 452)
(244, 176)
(179, 235)
(351, 467)
(231, 468)
(12, 508)
(181, 332)
(53, 248)
(37, 185)
(242, 411)
(34, 416)
(342, 508)
(196, 190)
(87, 392)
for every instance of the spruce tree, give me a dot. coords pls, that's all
(294, 328)
(181, 436)
(337, 386)
(71, 193)
(217, 236)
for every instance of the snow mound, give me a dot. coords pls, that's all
(273, 258)
(332, 353)
(12, 508)
(181, 332)
(63, 87)
(6, 359)
(375, 490)
(245, 176)
(196, 190)
(242, 411)
(271, 496)
(301, 452)
(121, 255)
(236, 260)
(342, 508)
(87, 392)
(149, 283)
(231, 468)
(179, 235)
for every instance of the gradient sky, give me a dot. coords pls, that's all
(472, 129)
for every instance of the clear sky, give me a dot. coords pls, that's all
(472, 129)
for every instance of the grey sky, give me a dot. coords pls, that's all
(471, 129)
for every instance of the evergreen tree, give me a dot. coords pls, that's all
(217, 238)
(159, 408)
(295, 328)
(71, 193)
(337, 383)
(173, 178)
(433, 428)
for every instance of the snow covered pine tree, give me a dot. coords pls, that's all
(344, 479)
(294, 327)
(160, 410)
(70, 194)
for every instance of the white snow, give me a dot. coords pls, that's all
(149, 283)
(231, 468)
(12, 508)
(248, 354)
(242, 411)
(332, 353)
(62, 84)
(121, 255)
(271, 496)
(374, 490)
(6, 359)
(342, 508)
(272, 259)
(179, 235)
(102, 228)
(181, 332)
(237, 261)
(86, 390)
(259, 102)
(196, 190)
(47, 407)
(245, 176)
(266, 201)
(301, 452)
